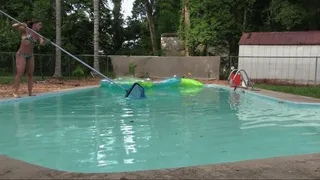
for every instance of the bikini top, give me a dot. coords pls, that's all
(29, 38)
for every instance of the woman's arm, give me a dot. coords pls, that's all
(19, 26)
(43, 41)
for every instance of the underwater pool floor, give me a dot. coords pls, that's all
(206, 167)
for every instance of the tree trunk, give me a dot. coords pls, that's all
(57, 70)
(244, 19)
(186, 26)
(116, 25)
(96, 34)
(151, 26)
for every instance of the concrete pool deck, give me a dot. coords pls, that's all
(291, 167)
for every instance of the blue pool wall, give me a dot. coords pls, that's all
(72, 91)
(46, 95)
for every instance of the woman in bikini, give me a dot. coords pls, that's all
(24, 56)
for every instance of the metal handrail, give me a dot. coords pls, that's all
(247, 82)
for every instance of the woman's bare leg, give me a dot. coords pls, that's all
(20, 67)
(30, 69)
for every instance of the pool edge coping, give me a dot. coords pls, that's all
(269, 97)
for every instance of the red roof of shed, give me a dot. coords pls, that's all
(281, 38)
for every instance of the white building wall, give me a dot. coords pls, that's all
(290, 63)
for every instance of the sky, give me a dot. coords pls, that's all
(126, 7)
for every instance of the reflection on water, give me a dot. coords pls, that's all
(99, 131)
(234, 100)
(20, 132)
(58, 124)
(31, 111)
(254, 112)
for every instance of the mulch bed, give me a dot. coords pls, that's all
(48, 86)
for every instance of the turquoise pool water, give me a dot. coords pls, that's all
(97, 131)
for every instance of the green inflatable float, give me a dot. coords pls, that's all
(186, 82)
(127, 82)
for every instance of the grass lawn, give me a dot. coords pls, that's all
(303, 91)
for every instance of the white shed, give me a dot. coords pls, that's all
(281, 57)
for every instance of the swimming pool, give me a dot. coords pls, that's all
(98, 131)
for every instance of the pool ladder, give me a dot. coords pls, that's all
(244, 76)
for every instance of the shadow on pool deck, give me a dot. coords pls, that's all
(290, 167)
